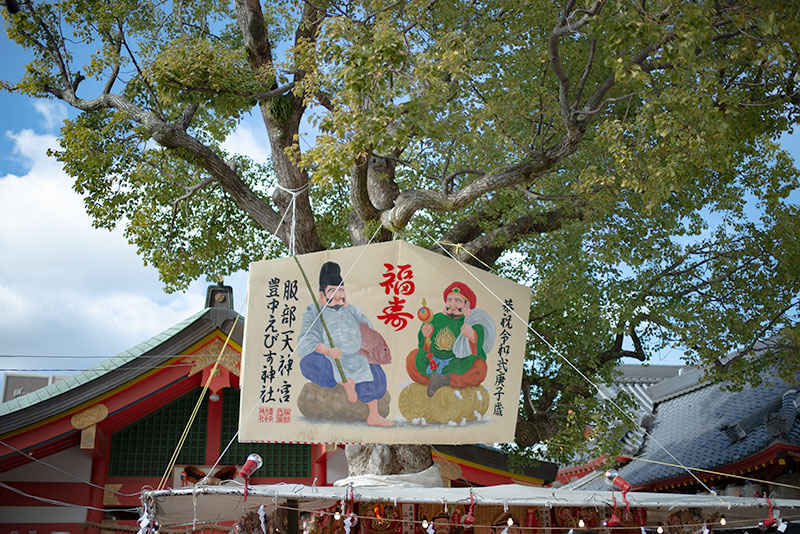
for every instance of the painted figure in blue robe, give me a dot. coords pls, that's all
(363, 380)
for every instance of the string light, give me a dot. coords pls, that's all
(510, 521)
(723, 521)
(781, 525)
(581, 523)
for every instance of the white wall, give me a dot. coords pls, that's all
(337, 466)
(17, 515)
(73, 461)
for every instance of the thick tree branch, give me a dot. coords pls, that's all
(411, 201)
(324, 100)
(585, 76)
(490, 246)
(359, 195)
(307, 30)
(447, 181)
(254, 32)
(188, 115)
(173, 136)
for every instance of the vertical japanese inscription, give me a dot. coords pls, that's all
(399, 282)
(502, 357)
(279, 340)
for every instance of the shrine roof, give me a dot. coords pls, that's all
(706, 426)
(111, 373)
(498, 460)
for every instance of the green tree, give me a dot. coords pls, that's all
(620, 157)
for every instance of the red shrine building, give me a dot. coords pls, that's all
(75, 453)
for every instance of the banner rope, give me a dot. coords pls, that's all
(253, 409)
(193, 415)
(577, 370)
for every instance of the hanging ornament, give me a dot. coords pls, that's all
(252, 463)
(613, 520)
(769, 521)
(429, 529)
(262, 517)
(350, 522)
(613, 476)
(469, 519)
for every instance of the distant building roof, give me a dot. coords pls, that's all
(637, 381)
(490, 459)
(704, 426)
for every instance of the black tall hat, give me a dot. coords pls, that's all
(330, 274)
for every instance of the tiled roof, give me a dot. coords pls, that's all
(96, 371)
(636, 381)
(693, 421)
(495, 458)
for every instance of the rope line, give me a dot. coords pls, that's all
(74, 477)
(582, 375)
(316, 318)
(712, 472)
(671, 527)
(293, 206)
(197, 405)
(58, 503)
(173, 460)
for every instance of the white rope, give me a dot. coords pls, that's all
(300, 341)
(58, 503)
(51, 466)
(586, 378)
(293, 206)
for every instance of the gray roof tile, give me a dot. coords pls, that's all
(689, 422)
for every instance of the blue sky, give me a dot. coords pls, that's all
(70, 290)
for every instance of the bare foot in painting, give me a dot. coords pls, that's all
(374, 418)
(350, 387)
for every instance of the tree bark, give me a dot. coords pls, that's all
(377, 459)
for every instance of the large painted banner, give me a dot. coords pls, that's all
(388, 343)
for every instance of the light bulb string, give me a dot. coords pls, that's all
(742, 523)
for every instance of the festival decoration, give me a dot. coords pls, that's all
(613, 476)
(252, 463)
(333, 338)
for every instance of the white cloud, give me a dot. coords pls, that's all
(67, 288)
(53, 113)
(250, 140)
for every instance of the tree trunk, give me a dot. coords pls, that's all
(376, 459)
